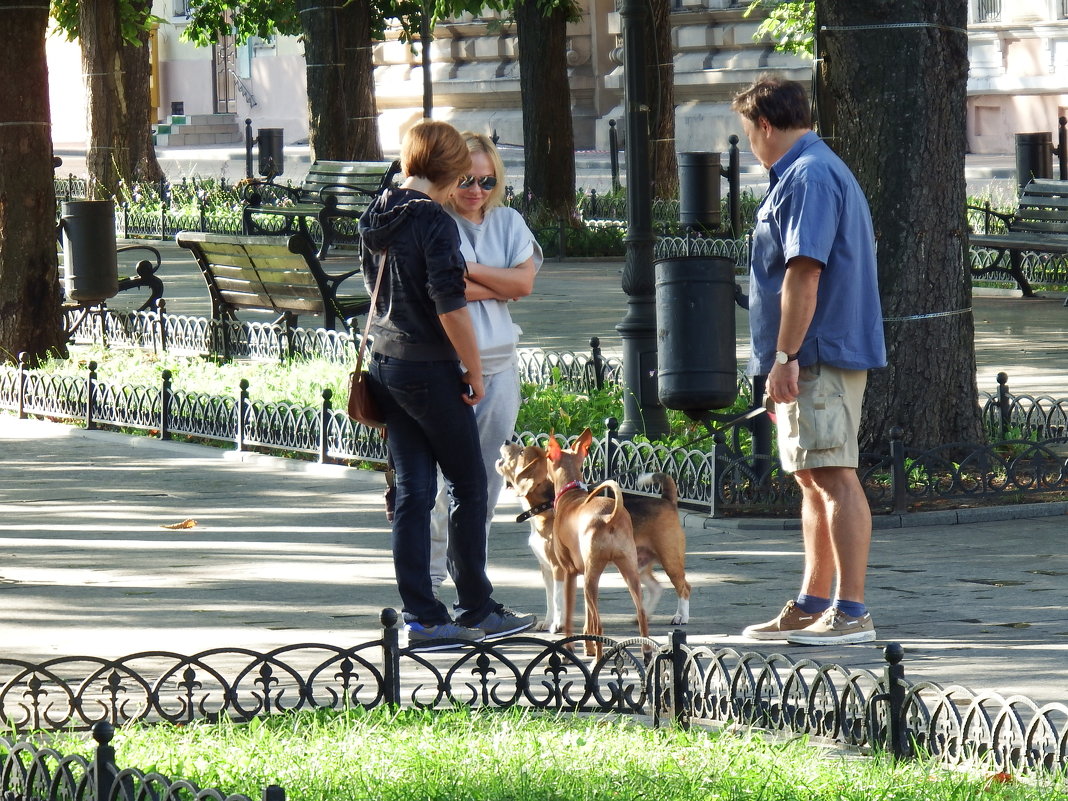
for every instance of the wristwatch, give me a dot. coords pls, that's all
(782, 357)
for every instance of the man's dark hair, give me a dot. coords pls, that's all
(782, 103)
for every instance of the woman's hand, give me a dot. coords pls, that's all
(477, 390)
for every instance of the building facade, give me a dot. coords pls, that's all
(1018, 80)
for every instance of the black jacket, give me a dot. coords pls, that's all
(425, 275)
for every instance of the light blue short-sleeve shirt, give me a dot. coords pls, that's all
(815, 208)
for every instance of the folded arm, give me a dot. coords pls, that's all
(485, 283)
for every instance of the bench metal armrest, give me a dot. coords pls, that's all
(146, 275)
(251, 193)
(1006, 219)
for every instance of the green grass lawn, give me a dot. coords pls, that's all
(522, 756)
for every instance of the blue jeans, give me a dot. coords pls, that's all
(429, 426)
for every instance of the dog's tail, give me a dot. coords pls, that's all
(668, 490)
(617, 494)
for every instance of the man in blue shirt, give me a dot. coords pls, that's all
(816, 326)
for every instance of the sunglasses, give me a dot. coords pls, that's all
(486, 182)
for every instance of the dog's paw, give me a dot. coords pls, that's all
(556, 627)
(679, 620)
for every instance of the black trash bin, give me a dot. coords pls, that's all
(1034, 156)
(699, 190)
(697, 366)
(272, 157)
(90, 261)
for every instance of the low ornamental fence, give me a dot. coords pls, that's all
(1026, 459)
(670, 683)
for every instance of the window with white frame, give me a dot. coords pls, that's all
(987, 11)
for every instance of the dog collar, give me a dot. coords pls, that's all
(568, 487)
(535, 510)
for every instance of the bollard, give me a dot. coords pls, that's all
(242, 413)
(248, 149)
(104, 768)
(597, 360)
(324, 424)
(166, 394)
(1004, 403)
(734, 186)
(161, 324)
(680, 697)
(612, 426)
(90, 390)
(391, 691)
(894, 675)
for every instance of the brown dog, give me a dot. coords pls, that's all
(658, 534)
(590, 532)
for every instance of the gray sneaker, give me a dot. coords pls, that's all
(442, 637)
(503, 621)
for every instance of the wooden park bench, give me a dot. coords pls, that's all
(272, 274)
(331, 190)
(1039, 225)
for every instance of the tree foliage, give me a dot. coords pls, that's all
(133, 20)
(791, 25)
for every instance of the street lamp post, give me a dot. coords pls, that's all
(642, 412)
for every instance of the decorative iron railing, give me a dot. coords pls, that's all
(670, 683)
(1026, 459)
(30, 771)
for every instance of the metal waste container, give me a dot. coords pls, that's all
(1034, 156)
(699, 189)
(90, 261)
(272, 157)
(697, 365)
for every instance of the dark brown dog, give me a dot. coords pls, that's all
(658, 534)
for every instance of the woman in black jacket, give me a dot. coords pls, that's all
(426, 375)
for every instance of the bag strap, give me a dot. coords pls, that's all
(371, 310)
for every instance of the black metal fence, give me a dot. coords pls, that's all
(668, 683)
(1025, 460)
(30, 771)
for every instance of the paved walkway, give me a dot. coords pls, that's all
(286, 552)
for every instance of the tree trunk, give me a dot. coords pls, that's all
(108, 157)
(359, 82)
(342, 118)
(136, 63)
(29, 279)
(897, 73)
(661, 94)
(548, 133)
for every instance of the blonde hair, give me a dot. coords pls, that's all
(434, 150)
(480, 143)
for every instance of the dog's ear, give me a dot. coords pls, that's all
(582, 445)
(530, 476)
(552, 447)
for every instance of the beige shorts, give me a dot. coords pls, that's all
(820, 428)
